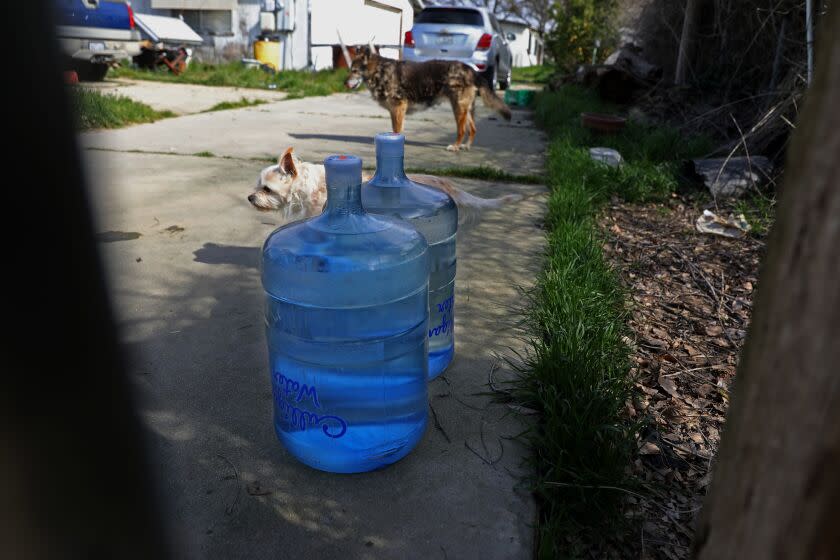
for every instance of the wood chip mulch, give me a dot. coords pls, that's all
(691, 300)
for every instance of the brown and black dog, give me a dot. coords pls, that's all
(404, 87)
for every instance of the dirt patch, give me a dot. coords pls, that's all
(691, 298)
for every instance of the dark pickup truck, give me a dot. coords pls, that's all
(95, 34)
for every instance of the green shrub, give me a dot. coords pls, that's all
(578, 24)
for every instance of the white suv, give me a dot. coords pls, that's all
(470, 35)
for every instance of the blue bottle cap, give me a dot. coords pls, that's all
(390, 144)
(343, 171)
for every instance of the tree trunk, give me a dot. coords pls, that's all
(692, 13)
(776, 491)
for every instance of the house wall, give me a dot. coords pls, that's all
(525, 39)
(230, 34)
(359, 21)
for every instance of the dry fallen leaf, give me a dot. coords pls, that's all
(649, 448)
(656, 343)
(714, 330)
(704, 389)
(659, 333)
(668, 384)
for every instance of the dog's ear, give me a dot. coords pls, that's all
(287, 163)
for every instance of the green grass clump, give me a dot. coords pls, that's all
(577, 373)
(760, 211)
(227, 105)
(98, 110)
(532, 74)
(296, 83)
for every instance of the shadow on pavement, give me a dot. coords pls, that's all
(213, 253)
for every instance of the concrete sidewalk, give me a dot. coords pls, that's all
(182, 99)
(345, 123)
(182, 252)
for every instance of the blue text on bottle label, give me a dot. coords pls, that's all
(444, 308)
(292, 396)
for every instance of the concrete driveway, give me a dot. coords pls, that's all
(181, 99)
(318, 127)
(182, 248)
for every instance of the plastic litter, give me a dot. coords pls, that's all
(735, 227)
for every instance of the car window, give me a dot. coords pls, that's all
(453, 16)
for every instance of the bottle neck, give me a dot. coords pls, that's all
(390, 172)
(345, 199)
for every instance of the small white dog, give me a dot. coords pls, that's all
(298, 190)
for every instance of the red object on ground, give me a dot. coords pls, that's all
(602, 123)
(71, 77)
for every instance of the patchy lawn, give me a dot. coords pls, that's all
(98, 110)
(297, 83)
(533, 74)
(227, 105)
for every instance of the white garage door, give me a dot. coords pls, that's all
(357, 20)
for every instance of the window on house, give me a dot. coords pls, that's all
(210, 22)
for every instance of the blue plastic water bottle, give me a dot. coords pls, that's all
(347, 323)
(435, 215)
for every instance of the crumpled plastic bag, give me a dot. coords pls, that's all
(735, 227)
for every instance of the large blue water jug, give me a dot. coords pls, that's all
(435, 215)
(347, 323)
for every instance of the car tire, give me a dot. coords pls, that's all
(489, 76)
(90, 72)
(505, 84)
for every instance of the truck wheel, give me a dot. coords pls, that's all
(90, 72)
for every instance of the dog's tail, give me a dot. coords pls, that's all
(471, 207)
(492, 100)
(465, 199)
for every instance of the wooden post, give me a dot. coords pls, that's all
(777, 60)
(776, 487)
(692, 9)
